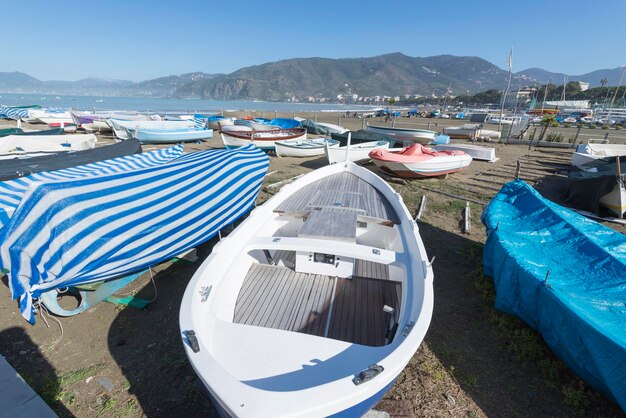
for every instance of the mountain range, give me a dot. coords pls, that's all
(300, 78)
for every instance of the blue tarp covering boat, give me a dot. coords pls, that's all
(285, 123)
(88, 229)
(565, 275)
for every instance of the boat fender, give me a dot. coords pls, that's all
(193, 341)
(368, 374)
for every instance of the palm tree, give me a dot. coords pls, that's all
(603, 81)
(547, 122)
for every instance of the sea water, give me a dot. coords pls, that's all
(162, 105)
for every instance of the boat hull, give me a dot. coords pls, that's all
(569, 294)
(431, 168)
(265, 140)
(421, 136)
(357, 152)
(253, 369)
(168, 136)
(475, 151)
(304, 148)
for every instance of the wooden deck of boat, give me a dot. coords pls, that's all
(341, 190)
(345, 309)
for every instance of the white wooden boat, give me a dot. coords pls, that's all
(315, 304)
(615, 200)
(466, 131)
(418, 161)
(421, 136)
(477, 152)
(586, 153)
(332, 128)
(121, 127)
(56, 120)
(304, 147)
(169, 136)
(237, 136)
(33, 145)
(356, 152)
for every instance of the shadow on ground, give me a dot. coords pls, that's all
(147, 347)
(465, 340)
(26, 358)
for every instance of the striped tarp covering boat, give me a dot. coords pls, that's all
(88, 229)
(12, 191)
(16, 113)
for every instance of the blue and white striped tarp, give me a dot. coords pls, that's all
(200, 122)
(84, 230)
(15, 113)
(12, 191)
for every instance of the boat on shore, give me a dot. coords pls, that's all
(477, 152)
(168, 136)
(32, 145)
(282, 290)
(354, 153)
(30, 132)
(563, 274)
(595, 150)
(419, 161)
(238, 136)
(420, 136)
(304, 147)
(105, 226)
(122, 128)
(20, 167)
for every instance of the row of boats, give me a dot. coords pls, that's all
(316, 302)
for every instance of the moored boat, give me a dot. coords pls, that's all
(563, 274)
(236, 136)
(282, 290)
(304, 147)
(356, 152)
(20, 167)
(27, 145)
(419, 161)
(586, 153)
(421, 136)
(166, 136)
(103, 226)
(477, 152)
(121, 128)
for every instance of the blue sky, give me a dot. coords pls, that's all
(137, 40)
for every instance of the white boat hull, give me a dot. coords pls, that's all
(357, 152)
(31, 145)
(475, 151)
(586, 153)
(304, 148)
(421, 136)
(260, 371)
(615, 200)
(434, 167)
(121, 128)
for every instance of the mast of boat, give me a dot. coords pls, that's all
(608, 116)
(348, 147)
(508, 86)
(545, 94)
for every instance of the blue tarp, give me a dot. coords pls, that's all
(91, 228)
(565, 275)
(285, 123)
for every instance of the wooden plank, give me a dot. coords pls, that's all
(262, 281)
(327, 223)
(284, 306)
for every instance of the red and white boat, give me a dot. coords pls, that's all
(420, 161)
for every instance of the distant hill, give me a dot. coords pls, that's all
(300, 78)
(16, 82)
(389, 74)
(542, 76)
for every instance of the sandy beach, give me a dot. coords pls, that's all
(475, 361)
